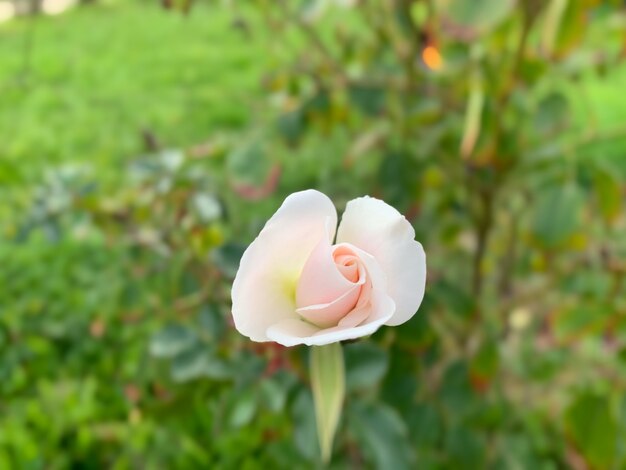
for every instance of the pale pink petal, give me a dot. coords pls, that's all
(329, 314)
(291, 332)
(381, 231)
(264, 289)
(356, 316)
(321, 281)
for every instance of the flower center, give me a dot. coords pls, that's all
(347, 263)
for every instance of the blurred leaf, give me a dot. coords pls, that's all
(248, 164)
(593, 428)
(485, 364)
(583, 318)
(453, 297)
(466, 448)
(425, 425)
(212, 321)
(557, 214)
(455, 390)
(401, 382)
(366, 365)
(369, 99)
(608, 193)
(243, 410)
(381, 434)
(552, 113)
(199, 362)
(397, 176)
(276, 389)
(227, 258)
(291, 126)
(172, 340)
(305, 433)
(478, 16)
(572, 27)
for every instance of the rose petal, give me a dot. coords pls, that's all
(290, 332)
(263, 291)
(321, 281)
(329, 314)
(380, 230)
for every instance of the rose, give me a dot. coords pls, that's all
(294, 286)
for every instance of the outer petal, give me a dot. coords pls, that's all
(380, 230)
(263, 291)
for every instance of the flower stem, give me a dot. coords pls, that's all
(328, 383)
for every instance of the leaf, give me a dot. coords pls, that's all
(581, 319)
(227, 258)
(552, 113)
(425, 425)
(465, 448)
(199, 362)
(328, 383)
(248, 164)
(211, 321)
(485, 363)
(275, 390)
(291, 126)
(189, 365)
(477, 16)
(369, 99)
(608, 193)
(557, 215)
(366, 364)
(382, 435)
(172, 340)
(593, 428)
(304, 419)
(473, 117)
(243, 410)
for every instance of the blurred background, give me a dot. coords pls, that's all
(144, 144)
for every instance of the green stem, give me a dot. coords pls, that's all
(328, 383)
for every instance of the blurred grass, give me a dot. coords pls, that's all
(84, 85)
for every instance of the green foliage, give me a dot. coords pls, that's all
(133, 179)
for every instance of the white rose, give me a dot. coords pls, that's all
(297, 284)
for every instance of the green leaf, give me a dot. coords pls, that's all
(227, 258)
(557, 215)
(593, 428)
(369, 99)
(172, 340)
(382, 435)
(608, 193)
(466, 448)
(366, 364)
(328, 383)
(199, 362)
(249, 164)
(425, 425)
(243, 410)
(304, 425)
(584, 318)
(479, 16)
(485, 363)
(552, 113)
(189, 365)
(211, 321)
